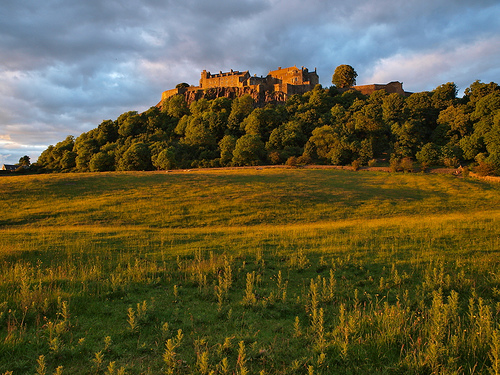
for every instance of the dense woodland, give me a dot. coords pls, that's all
(323, 126)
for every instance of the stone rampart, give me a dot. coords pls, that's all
(278, 83)
(277, 86)
(394, 87)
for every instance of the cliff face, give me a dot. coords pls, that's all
(261, 97)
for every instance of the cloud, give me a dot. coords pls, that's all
(428, 69)
(65, 66)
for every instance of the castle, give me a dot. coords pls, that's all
(276, 86)
(289, 81)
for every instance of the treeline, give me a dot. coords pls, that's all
(322, 126)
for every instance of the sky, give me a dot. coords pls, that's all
(67, 65)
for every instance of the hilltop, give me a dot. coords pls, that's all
(234, 119)
(275, 88)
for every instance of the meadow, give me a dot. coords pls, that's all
(251, 271)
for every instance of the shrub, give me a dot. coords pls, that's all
(407, 165)
(292, 161)
(484, 169)
(355, 164)
(394, 165)
(428, 155)
(465, 172)
(274, 157)
(451, 162)
(304, 159)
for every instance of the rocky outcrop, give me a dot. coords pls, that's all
(261, 98)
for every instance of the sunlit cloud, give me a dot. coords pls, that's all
(428, 69)
(67, 66)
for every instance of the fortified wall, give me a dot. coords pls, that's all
(394, 87)
(277, 86)
(278, 83)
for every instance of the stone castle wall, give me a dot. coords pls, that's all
(275, 87)
(288, 81)
(394, 87)
(229, 79)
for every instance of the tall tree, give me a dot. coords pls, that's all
(25, 161)
(344, 76)
(226, 147)
(136, 158)
(249, 150)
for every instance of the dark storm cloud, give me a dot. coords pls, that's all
(67, 65)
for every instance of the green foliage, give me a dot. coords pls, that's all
(102, 161)
(323, 126)
(249, 150)
(329, 146)
(197, 133)
(444, 95)
(227, 146)
(344, 76)
(240, 108)
(428, 155)
(25, 161)
(176, 106)
(165, 159)
(136, 158)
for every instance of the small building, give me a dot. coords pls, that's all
(9, 167)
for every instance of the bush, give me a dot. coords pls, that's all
(292, 161)
(372, 162)
(355, 164)
(394, 165)
(485, 169)
(428, 155)
(407, 165)
(304, 159)
(274, 157)
(465, 172)
(451, 162)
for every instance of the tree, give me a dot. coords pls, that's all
(287, 139)
(85, 147)
(344, 76)
(428, 155)
(240, 108)
(165, 159)
(197, 133)
(249, 150)
(261, 121)
(46, 159)
(453, 124)
(478, 90)
(329, 146)
(444, 96)
(102, 161)
(136, 158)
(25, 161)
(392, 108)
(406, 138)
(68, 160)
(226, 147)
(471, 145)
(107, 132)
(182, 85)
(130, 124)
(176, 106)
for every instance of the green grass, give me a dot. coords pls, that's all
(384, 273)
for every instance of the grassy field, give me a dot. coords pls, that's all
(255, 271)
